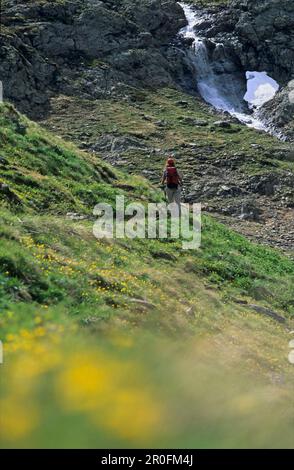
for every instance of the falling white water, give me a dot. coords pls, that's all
(221, 88)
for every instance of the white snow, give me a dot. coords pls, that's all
(260, 88)
(221, 91)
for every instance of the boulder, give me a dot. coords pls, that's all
(222, 124)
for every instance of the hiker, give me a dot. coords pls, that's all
(173, 180)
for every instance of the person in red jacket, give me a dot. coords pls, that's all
(172, 178)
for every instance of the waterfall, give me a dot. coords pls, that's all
(217, 89)
(215, 79)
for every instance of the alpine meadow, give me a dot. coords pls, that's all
(135, 342)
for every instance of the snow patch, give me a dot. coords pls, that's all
(261, 88)
(222, 90)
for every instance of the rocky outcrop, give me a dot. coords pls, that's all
(26, 74)
(279, 112)
(87, 46)
(258, 35)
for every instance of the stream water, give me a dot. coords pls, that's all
(218, 86)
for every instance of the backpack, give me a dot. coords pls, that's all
(172, 177)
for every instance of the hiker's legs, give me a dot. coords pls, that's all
(177, 197)
(174, 196)
(170, 195)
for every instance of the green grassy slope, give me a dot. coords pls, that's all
(45, 174)
(170, 121)
(130, 343)
(224, 168)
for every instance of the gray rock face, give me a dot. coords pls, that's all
(258, 36)
(54, 46)
(260, 33)
(25, 74)
(279, 112)
(99, 48)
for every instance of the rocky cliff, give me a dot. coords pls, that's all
(100, 48)
(258, 36)
(91, 47)
(279, 112)
(259, 33)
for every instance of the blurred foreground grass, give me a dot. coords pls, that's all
(130, 343)
(135, 391)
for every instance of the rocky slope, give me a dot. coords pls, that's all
(279, 112)
(98, 48)
(237, 173)
(260, 33)
(259, 37)
(92, 48)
